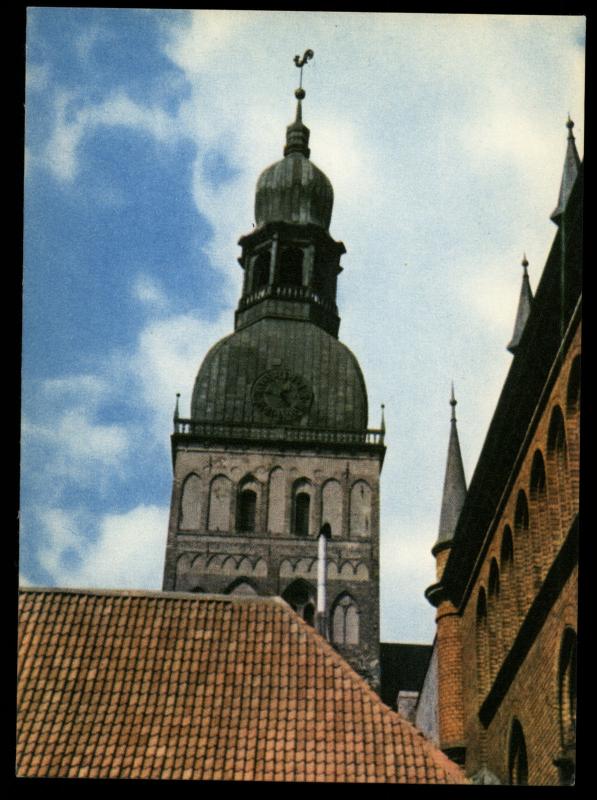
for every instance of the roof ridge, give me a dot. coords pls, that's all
(153, 593)
(353, 675)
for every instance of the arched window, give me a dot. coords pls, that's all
(241, 587)
(538, 481)
(557, 459)
(507, 551)
(261, 267)
(540, 528)
(556, 436)
(309, 614)
(300, 596)
(190, 504)
(494, 580)
(345, 621)
(494, 618)
(246, 510)
(521, 514)
(302, 509)
(518, 765)
(324, 273)
(567, 688)
(482, 642)
(523, 542)
(291, 267)
(572, 409)
(573, 390)
(510, 589)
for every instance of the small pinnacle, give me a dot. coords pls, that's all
(453, 403)
(570, 125)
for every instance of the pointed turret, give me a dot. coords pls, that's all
(454, 484)
(297, 134)
(571, 166)
(524, 308)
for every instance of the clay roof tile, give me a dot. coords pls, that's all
(141, 684)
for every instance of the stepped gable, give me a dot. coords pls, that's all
(123, 684)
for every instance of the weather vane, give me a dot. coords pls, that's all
(300, 63)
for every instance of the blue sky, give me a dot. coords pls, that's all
(444, 138)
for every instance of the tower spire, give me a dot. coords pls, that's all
(297, 134)
(454, 483)
(570, 171)
(525, 303)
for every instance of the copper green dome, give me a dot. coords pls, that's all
(294, 190)
(224, 390)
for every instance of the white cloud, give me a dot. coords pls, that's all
(406, 570)
(73, 121)
(169, 353)
(89, 387)
(444, 138)
(148, 291)
(61, 536)
(127, 552)
(64, 441)
(88, 38)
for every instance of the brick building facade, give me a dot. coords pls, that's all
(506, 591)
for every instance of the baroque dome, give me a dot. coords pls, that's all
(294, 190)
(224, 386)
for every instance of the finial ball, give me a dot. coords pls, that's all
(300, 94)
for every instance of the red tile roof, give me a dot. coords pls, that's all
(163, 685)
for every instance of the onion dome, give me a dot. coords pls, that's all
(294, 190)
(329, 373)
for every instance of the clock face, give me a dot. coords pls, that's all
(282, 395)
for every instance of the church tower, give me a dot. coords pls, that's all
(277, 448)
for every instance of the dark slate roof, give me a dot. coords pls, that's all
(403, 667)
(222, 392)
(525, 303)
(153, 685)
(454, 492)
(556, 309)
(569, 174)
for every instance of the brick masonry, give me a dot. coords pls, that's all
(541, 506)
(344, 491)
